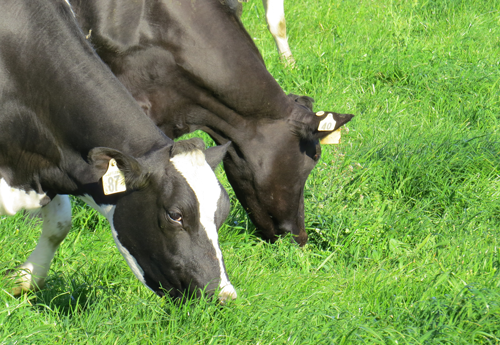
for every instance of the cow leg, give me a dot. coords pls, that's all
(56, 225)
(275, 16)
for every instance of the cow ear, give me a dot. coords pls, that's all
(302, 100)
(136, 177)
(328, 121)
(316, 126)
(214, 155)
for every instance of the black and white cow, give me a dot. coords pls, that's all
(192, 65)
(67, 126)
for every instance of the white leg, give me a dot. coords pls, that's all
(275, 16)
(56, 225)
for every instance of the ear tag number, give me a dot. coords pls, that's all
(113, 181)
(327, 124)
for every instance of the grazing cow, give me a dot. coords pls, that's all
(275, 17)
(69, 127)
(191, 65)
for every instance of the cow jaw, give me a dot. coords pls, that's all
(108, 211)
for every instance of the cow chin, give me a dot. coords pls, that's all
(282, 228)
(179, 289)
(272, 221)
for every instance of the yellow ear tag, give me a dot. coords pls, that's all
(327, 124)
(332, 138)
(113, 181)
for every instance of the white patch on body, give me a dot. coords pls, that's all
(56, 225)
(13, 200)
(108, 212)
(201, 178)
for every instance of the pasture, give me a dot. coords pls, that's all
(403, 217)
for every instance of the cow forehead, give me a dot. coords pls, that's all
(201, 178)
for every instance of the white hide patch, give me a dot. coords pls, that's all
(201, 178)
(13, 200)
(108, 211)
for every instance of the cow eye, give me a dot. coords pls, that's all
(175, 217)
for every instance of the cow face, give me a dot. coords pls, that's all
(269, 172)
(166, 228)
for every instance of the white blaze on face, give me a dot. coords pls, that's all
(108, 211)
(12, 200)
(201, 178)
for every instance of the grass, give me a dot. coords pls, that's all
(403, 216)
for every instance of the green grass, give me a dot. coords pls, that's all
(403, 216)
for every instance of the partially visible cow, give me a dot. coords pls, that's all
(69, 127)
(275, 17)
(191, 65)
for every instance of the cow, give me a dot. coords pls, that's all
(275, 18)
(68, 126)
(191, 65)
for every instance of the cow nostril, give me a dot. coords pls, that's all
(286, 227)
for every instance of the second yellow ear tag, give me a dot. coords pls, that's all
(113, 181)
(332, 138)
(327, 124)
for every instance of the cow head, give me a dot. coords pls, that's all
(165, 224)
(268, 172)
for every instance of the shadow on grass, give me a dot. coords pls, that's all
(69, 296)
(73, 296)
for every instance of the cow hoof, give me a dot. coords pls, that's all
(288, 61)
(227, 293)
(22, 281)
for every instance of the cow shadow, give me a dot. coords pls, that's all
(68, 296)
(72, 296)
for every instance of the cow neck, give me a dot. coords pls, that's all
(240, 88)
(92, 106)
(224, 123)
(104, 114)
